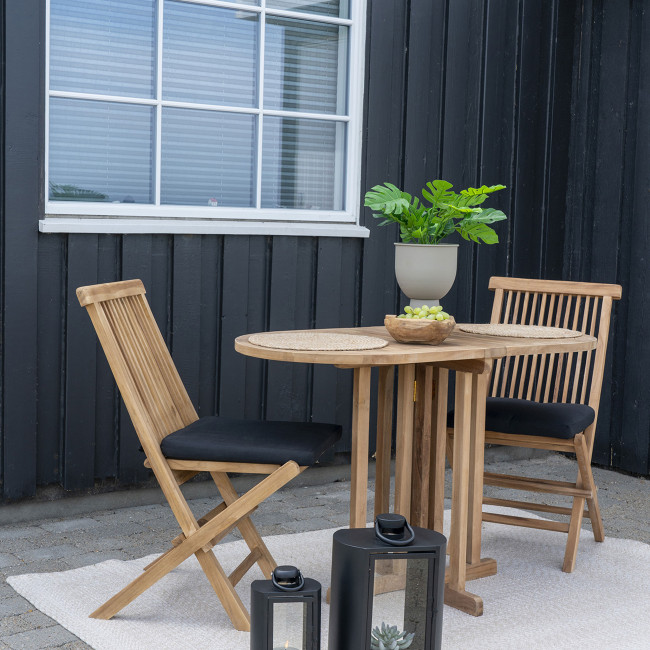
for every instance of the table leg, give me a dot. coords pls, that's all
(477, 567)
(404, 444)
(360, 426)
(384, 435)
(438, 445)
(421, 464)
(455, 594)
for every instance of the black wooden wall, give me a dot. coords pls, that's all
(543, 96)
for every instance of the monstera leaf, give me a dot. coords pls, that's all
(447, 212)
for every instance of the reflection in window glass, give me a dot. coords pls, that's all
(302, 164)
(208, 158)
(209, 55)
(100, 151)
(338, 8)
(103, 46)
(302, 70)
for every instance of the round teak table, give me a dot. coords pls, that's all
(421, 432)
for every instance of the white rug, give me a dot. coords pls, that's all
(529, 604)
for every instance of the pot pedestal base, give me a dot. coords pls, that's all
(431, 302)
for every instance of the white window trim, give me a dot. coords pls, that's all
(79, 217)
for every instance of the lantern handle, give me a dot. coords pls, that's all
(396, 542)
(284, 587)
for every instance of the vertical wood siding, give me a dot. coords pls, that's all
(545, 97)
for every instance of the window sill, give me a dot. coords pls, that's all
(198, 227)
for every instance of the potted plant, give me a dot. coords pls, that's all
(425, 268)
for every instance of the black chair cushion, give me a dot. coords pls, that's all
(523, 417)
(250, 441)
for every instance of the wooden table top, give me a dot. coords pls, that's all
(460, 346)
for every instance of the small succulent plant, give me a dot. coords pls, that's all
(390, 638)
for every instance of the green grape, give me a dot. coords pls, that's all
(440, 317)
(408, 309)
(417, 310)
(425, 308)
(438, 309)
(431, 317)
(408, 316)
(445, 315)
(402, 316)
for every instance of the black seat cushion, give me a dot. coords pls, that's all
(250, 441)
(523, 417)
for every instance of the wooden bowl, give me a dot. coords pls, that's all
(419, 330)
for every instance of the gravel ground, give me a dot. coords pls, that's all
(320, 501)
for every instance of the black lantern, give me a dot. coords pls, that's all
(387, 586)
(285, 612)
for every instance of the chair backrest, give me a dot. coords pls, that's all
(142, 366)
(568, 377)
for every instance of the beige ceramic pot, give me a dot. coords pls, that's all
(425, 272)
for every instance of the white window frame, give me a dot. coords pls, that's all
(80, 217)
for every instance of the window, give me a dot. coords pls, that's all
(204, 116)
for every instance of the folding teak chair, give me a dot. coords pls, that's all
(178, 445)
(550, 401)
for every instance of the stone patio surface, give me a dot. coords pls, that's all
(319, 498)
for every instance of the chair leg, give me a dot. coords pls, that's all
(225, 591)
(596, 519)
(248, 531)
(195, 541)
(588, 479)
(577, 511)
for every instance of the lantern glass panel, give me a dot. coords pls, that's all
(289, 625)
(404, 605)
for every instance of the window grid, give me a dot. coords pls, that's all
(344, 96)
(342, 155)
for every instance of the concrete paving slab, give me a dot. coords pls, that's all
(57, 544)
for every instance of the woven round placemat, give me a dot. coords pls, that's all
(316, 341)
(519, 331)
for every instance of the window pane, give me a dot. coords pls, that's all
(325, 7)
(209, 55)
(208, 158)
(100, 151)
(302, 164)
(103, 46)
(305, 66)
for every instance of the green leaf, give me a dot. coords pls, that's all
(489, 215)
(387, 199)
(462, 210)
(473, 191)
(478, 231)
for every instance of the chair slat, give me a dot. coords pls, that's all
(579, 356)
(507, 363)
(137, 367)
(149, 370)
(597, 307)
(499, 317)
(166, 365)
(557, 287)
(536, 357)
(550, 364)
(515, 366)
